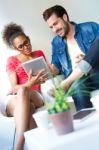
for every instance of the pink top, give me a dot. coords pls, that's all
(14, 65)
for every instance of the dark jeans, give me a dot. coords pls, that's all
(90, 82)
(83, 87)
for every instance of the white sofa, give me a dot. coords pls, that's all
(7, 132)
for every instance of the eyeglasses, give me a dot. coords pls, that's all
(25, 43)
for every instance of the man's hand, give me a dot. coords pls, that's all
(78, 58)
(53, 69)
(64, 85)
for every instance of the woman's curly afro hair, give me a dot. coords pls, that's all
(10, 32)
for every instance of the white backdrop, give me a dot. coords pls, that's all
(28, 13)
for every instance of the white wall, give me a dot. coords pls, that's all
(28, 13)
(82, 10)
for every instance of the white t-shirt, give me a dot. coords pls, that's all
(74, 51)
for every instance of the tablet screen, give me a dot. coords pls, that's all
(36, 65)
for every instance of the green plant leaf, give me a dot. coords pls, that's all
(60, 103)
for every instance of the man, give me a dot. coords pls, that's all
(71, 43)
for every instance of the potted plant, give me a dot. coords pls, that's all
(59, 111)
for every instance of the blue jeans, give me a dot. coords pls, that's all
(83, 87)
(90, 82)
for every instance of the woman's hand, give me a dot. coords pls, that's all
(40, 78)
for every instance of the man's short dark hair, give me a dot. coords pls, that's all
(58, 10)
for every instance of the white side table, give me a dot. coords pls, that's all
(85, 136)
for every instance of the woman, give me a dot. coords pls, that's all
(23, 99)
(88, 65)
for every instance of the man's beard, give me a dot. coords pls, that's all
(66, 29)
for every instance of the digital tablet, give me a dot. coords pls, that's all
(35, 65)
(83, 114)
